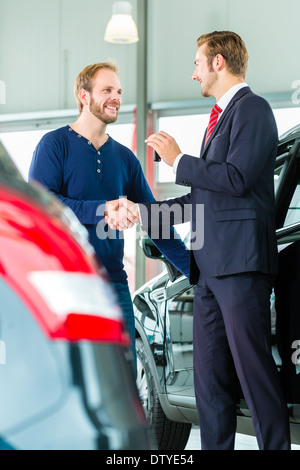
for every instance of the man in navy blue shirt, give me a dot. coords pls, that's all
(88, 171)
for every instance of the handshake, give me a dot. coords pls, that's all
(121, 214)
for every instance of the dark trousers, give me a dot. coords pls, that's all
(124, 297)
(232, 336)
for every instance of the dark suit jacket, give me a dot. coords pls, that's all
(234, 181)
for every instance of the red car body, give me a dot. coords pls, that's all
(65, 382)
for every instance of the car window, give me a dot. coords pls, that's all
(277, 176)
(293, 213)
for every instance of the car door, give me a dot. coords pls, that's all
(179, 342)
(287, 283)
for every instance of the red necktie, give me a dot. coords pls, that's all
(212, 121)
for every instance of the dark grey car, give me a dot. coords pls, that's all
(164, 323)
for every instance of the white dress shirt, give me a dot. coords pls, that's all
(222, 103)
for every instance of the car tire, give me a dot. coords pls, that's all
(170, 435)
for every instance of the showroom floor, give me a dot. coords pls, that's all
(242, 442)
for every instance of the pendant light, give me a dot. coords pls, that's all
(121, 28)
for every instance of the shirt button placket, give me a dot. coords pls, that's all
(98, 166)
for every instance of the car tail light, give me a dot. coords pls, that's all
(44, 261)
(72, 306)
(81, 306)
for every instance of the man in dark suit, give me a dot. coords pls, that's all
(234, 269)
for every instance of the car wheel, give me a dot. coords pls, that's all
(170, 435)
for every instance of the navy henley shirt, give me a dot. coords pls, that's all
(84, 178)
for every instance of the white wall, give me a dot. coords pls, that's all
(44, 44)
(270, 29)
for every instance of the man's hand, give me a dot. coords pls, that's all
(121, 214)
(165, 145)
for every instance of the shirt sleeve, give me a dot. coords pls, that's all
(47, 168)
(176, 162)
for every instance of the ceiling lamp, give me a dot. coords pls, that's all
(121, 28)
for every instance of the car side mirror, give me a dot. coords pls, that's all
(151, 251)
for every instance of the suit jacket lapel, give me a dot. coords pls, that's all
(235, 98)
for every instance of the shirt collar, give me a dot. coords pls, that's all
(227, 97)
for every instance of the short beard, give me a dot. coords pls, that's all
(101, 115)
(206, 92)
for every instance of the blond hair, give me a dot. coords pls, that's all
(85, 79)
